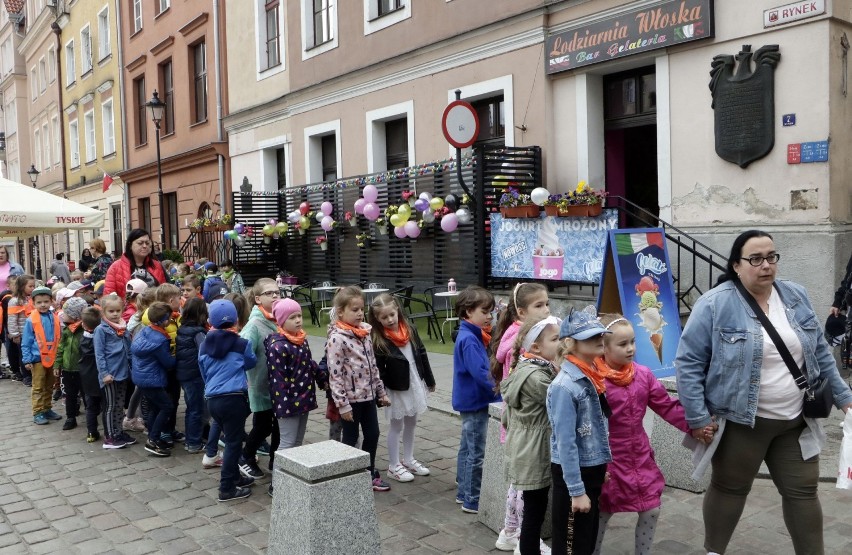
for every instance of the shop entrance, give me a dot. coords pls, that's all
(630, 140)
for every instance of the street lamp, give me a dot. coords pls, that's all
(34, 173)
(158, 109)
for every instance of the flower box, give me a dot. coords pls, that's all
(324, 246)
(522, 211)
(551, 210)
(581, 211)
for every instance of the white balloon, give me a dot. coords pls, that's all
(426, 195)
(428, 216)
(320, 216)
(464, 216)
(539, 195)
(294, 216)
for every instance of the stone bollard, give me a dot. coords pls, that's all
(492, 497)
(672, 457)
(323, 502)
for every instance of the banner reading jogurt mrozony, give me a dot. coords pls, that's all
(563, 249)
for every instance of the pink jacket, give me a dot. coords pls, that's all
(353, 376)
(504, 355)
(636, 483)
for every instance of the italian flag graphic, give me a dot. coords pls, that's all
(631, 243)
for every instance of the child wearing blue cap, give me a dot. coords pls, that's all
(579, 446)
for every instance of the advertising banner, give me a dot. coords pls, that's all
(637, 282)
(562, 249)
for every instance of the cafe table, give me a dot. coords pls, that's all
(371, 294)
(447, 296)
(326, 294)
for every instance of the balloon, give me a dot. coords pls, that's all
(421, 204)
(281, 228)
(327, 223)
(412, 229)
(426, 196)
(464, 215)
(359, 206)
(294, 216)
(428, 216)
(450, 201)
(371, 211)
(239, 228)
(304, 208)
(305, 222)
(227, 234)
(436, 203)
(450, 222)
(370, 194)
(327, 208)
(272, 221)
(397, 220)
(268, 230)
(240, 241)
(399, 231)
(404, 209)
(319, 216)
(539, 195)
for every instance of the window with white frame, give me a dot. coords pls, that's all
(57, 143)
(108, 122)
(70, 70)
(199, 72)
(270, 31)
(493, 100)
(319, 27)
(163, 5)
(137, 15)
(42, 74)
(85, 50)
(74, 143)
(11, 119)
(322, 152)
(390, 137)
(323, 13)
(45, 137)
(3, 67)
(380, 14)
(34, 81)
(104, 46)
(51, 64)
(89, 135)
(8, 56)
(37, 149)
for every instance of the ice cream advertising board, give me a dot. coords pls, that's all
(637, 282)
(562, 249)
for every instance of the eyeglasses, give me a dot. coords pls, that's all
(271, 294)
(757, 260)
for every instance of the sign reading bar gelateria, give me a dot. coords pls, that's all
(667, 24)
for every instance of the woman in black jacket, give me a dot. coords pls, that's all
(404, 369)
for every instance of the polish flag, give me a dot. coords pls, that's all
(107, 181)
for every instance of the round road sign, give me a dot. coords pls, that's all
(460, 124)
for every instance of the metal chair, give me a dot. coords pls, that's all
(302, 294)
(404, 291)
(442, 305)
(416, 309)
(323, 298)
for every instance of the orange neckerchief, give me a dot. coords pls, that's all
(486, 335)
(74, 325)
(596, 371)
(297, 338)
(119, 328)
(268, 315)
(400, 337)
(359, 332)
(161, 330)
(531, 356)
(621, 377)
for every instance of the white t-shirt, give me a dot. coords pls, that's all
(779, 398)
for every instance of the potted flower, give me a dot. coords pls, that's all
(551, 205)
(322, 242)
(514, 204)
(582, 201)
(408, 196)
(382, 226)
(350, 217)
(197, 224)
(301, 229)
(225, 222)
(363, 240)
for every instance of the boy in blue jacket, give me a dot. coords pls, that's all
(39, 346)
(473, 390)
(151, 359)
(223, 359)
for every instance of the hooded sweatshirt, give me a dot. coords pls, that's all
(223, 360)
(353, 374)
(151, 358)
(256, 330)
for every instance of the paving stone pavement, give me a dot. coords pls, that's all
(59, 494)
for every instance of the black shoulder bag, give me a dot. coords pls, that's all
(818, 397)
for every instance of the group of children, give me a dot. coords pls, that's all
(574, 400)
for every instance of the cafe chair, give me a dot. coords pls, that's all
(443, 306)
(302, 295)
(416, 309)
(323, 300)
(404, 291)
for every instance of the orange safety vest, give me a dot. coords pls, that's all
(17, 309)
(46, 348)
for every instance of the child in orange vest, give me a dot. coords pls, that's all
(39, 346)
(19, 308)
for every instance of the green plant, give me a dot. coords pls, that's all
(173, 255)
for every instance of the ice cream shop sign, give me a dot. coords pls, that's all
(631, 32)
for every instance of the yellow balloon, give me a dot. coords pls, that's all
(500, 181)
(305, 222)
(281, 227)
(268, 230)
(436, 203)
(398, 220)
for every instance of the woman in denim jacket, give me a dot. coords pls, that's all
(729, 371)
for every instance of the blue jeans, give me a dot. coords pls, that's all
(471, 455)
(230, 413)
(160, 407)
(193, 395)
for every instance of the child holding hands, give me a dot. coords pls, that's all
(112, 355)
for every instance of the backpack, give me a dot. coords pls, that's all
(5, 297)
(213, 282)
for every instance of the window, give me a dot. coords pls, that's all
(492, 124)
(167, 87)
(390, 137)
(319, 27)
(11, 119)
(631, 95)
(396, 143)
(57, 143)
(281, 167)
(163, 5)
(104, 46)
(3, 67)
(199, 71)
(329, 157)
(42, 74)
(115, 217)
(34, 83)
(45, 137)
(70, 73)
(137, 19)
(89, 130)
(381, 14)
(74, 142)
(388, 6)
(322, 152)
(170, 205)
(145, 213)
(85, 50)
(323, 12)
(141, 121)
(51, 65)
(37, 149)
(107, 120)
(273, 34)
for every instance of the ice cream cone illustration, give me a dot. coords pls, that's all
(657, 342)
(652, 320)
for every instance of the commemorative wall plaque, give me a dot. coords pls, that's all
(743, 90)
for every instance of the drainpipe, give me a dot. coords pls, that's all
(123, 112)
(223, 201)
(57, 31)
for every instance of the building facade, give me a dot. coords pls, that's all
(173, 48)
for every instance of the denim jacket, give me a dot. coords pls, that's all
(721, 351)
(580, 430)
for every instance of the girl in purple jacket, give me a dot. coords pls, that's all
(635, 482)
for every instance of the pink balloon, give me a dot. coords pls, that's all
(371, 211)
(327, 223)
(326, 208)
(359, 206)
(304, 208)
(412, 229)
(400, 232)
(370, 193)
(449, 222)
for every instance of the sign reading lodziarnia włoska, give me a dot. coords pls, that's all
(632, 32)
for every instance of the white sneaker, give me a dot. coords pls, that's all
(507, 541)
(211, 462)
(400, 474)
(541, 546)
(416, 468)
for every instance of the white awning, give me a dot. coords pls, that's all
(26, 211)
